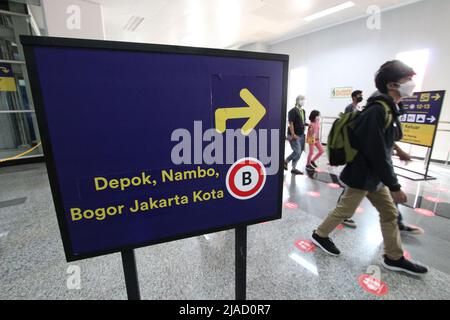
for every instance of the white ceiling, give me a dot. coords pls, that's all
(224, 23)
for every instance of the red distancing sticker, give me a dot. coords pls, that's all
(433, 199)
(373, 285)
(441, 189)
(319, 170)
(334, 186)
(313, 194)
(360, 210)
(407, 255)
(425, 212)
(340, 227)
(290, 205)
(305, 245)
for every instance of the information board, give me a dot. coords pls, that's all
(7, 81)
(146, 143)
(421, 118)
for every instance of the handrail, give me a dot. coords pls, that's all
(12, 61)
(17, 111)
(16, 14)
(438, 130)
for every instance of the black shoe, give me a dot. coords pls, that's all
(326, 244)
(404, 229)
(349, 223)
(295, 171)
(285, 166)
(313, 164)
(310, 167)
(404, 265)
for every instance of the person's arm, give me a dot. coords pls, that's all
(291, 130)
(317, 130)
(291, 119)
(401, 153)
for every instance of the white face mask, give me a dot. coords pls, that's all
(406, 89)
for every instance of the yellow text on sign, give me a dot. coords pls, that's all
(421, 134)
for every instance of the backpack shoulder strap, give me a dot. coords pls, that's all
(389, 117)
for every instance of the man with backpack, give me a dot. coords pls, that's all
(368, 141)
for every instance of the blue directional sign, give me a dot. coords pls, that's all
(421, 118)
(146, 144)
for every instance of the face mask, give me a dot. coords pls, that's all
(406, 89)
(359, 99)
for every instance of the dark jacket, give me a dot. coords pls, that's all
(373, 163)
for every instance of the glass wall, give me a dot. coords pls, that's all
(19, 137)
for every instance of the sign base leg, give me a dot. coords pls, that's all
(241, 262)
(130, 272)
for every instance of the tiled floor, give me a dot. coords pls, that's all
(32, 263)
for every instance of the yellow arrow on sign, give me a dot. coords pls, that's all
(255, 111)
(436, 97)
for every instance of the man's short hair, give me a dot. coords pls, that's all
(392, 71)
(355, 93)
(299, 97)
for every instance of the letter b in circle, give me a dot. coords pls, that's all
(246, 178)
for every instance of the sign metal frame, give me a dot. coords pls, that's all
(30, 42)
(427, 159)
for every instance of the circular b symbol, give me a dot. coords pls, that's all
(246, 178)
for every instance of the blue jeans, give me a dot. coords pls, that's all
(298, 146)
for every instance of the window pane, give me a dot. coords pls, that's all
(18, 135)
(13, 94)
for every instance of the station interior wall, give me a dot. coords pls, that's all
(349, 54)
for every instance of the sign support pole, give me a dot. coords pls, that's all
(130, 272)
(430, 151)
(241, 262)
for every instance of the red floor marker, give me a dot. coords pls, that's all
(360, 210)
(340, 227)
(425, 212)
(334, 186)
(305, 245)
(313, 194)
(441, 189)
(433, 199)
(373, 285)
(407, 255)
(318, 170)
(291, 205)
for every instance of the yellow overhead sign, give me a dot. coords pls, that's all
(7, 81)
